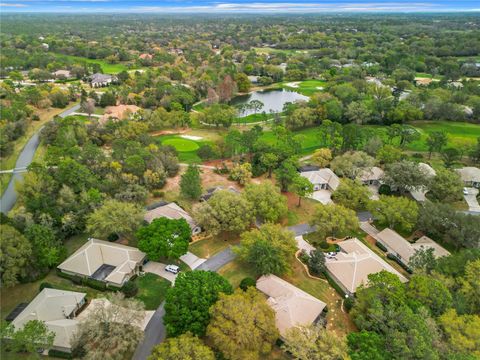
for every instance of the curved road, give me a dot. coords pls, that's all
(9, 196)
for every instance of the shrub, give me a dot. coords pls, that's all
(324, 245)
(316, 262)
(379, 245)
(112, 237)
(94, 284)
(59, 354)
(384, 189)
(130, 289)
(348, 303)
(417, 156)
(304, 256)
(45, 285)
(35, 117)
(397, 260)
(158, 193)
(206, 152)
(246, 283)
(74, 278)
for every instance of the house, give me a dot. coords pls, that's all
(353, 263)
(58, 309)
(118, 112)
(146, 56)
(371, 176)
(172, 211)
(419, 193)
(62, 74)
(322, 179)
(470, 176)
(213, 190)
(292, 306)
(253, 79)
(99, 80)
(404, 250)
(105, 261)
(420, 81)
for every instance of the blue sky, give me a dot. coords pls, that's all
(238, 6)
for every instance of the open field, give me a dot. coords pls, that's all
(106, 67)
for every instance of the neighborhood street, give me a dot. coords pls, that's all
(9, 196)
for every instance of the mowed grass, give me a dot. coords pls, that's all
(212, 245)
(186, 148)
(106, 67)
(307, 87)
(152, 290)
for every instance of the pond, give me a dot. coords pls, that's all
(273, 100)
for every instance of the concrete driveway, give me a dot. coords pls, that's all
(374, 192)
(159, 269)
(471, 200)
(192, 260)
(324, 196)
(303, 245)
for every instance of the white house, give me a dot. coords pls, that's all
(322, 179)
(99, 80)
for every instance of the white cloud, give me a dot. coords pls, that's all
(12, 5)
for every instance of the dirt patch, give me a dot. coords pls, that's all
(118, 112)
(169, 132)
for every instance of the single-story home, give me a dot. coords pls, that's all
(172, 211)
(371, 176)
(419, 193)
(322, 179)
(398, 246)
(470, 176)
(253, 79)
(353, 263)
(99, 80)
(213, 190)
(118, 112)
(62, 74)
(292, 306)
(58, 309)
(105, 261)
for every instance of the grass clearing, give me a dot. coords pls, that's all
(236, 271)
(212, 245)
(151, 290)
(187, 148)
(307, 87)
(106, 67)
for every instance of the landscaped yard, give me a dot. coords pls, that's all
(106, 67)
(187, 148)
(236, 271)
(151, 290)
(210, 246)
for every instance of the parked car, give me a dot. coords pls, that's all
(465, 191)
(174, 269)
(330, 255)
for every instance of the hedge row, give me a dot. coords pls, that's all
(129, 288)
(59, 354)
(397, 260)
(380, 245)
(334, 284)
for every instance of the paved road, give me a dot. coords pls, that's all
(155, 331)
(301, 229)
(9, 197)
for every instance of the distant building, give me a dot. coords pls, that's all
(45, 46)
(371, 176)
(209, 193)
(419, 193)
(100, 80)
(172, 211)
(253, 79)
(292, 305)
(322, 179)
(470, 176)
(58, 309)
(62, 74)
(146, 56)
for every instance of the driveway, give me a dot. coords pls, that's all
(9, 196)
(471, 199)
(155, 333)
(301, 229)
(192, 260)
(303, 245)
(369, 229)
(159, 269)
(324, 196)
(219, 260)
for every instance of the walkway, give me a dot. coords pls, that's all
(9, 197)
(471, 199)
(192, 260)
(369, 229)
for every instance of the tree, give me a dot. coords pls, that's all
(183, 347)
(286, 173)
(243, 82)
(423, 260)
(462, 332)
(312, 342)
(389, 154)
(395, 212)
(14, 256)
(302, 187)
(316, 262)
(423, 290)
(358, 112)
(366, 345)
(351, 163)
(188, 302)
(108, 99)
(242, 325)
(111, 330)
(88, 106)
(164, 237)
(241, 173)
(191, 183)
(334, 220)
(32, 337)
(268, 249)
(224, 211)
(450, 156)
(436, 140)
(405, 176)
(321, 157)
(270, 161)
(470, 286)
(266, 201)
(114, 217)
(47, 249)
(351, 194)
(226, 89)
(256, 105)
(446, 186)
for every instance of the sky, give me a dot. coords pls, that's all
(238, 6)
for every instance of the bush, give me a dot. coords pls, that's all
(397, 260)
(324, 245)
(59, 354)
(206, 152)
(316, 262)
(158, 193)
(246, 283)
(45, 285)
(35, 117)
(112, 237)
(379, 245)
(130, 289)
(94, 284)
(74, 278)
(417, 156)
(348, 303)
(304, 257)
(384, 189)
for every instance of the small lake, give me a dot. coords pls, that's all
(273, 100)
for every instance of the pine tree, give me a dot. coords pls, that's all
(190, 184)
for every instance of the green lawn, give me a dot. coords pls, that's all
(187, 149)
(210, 246)
(252, 118)
(307, 87)
(151, 290)
(106, 67)
(236, 271)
